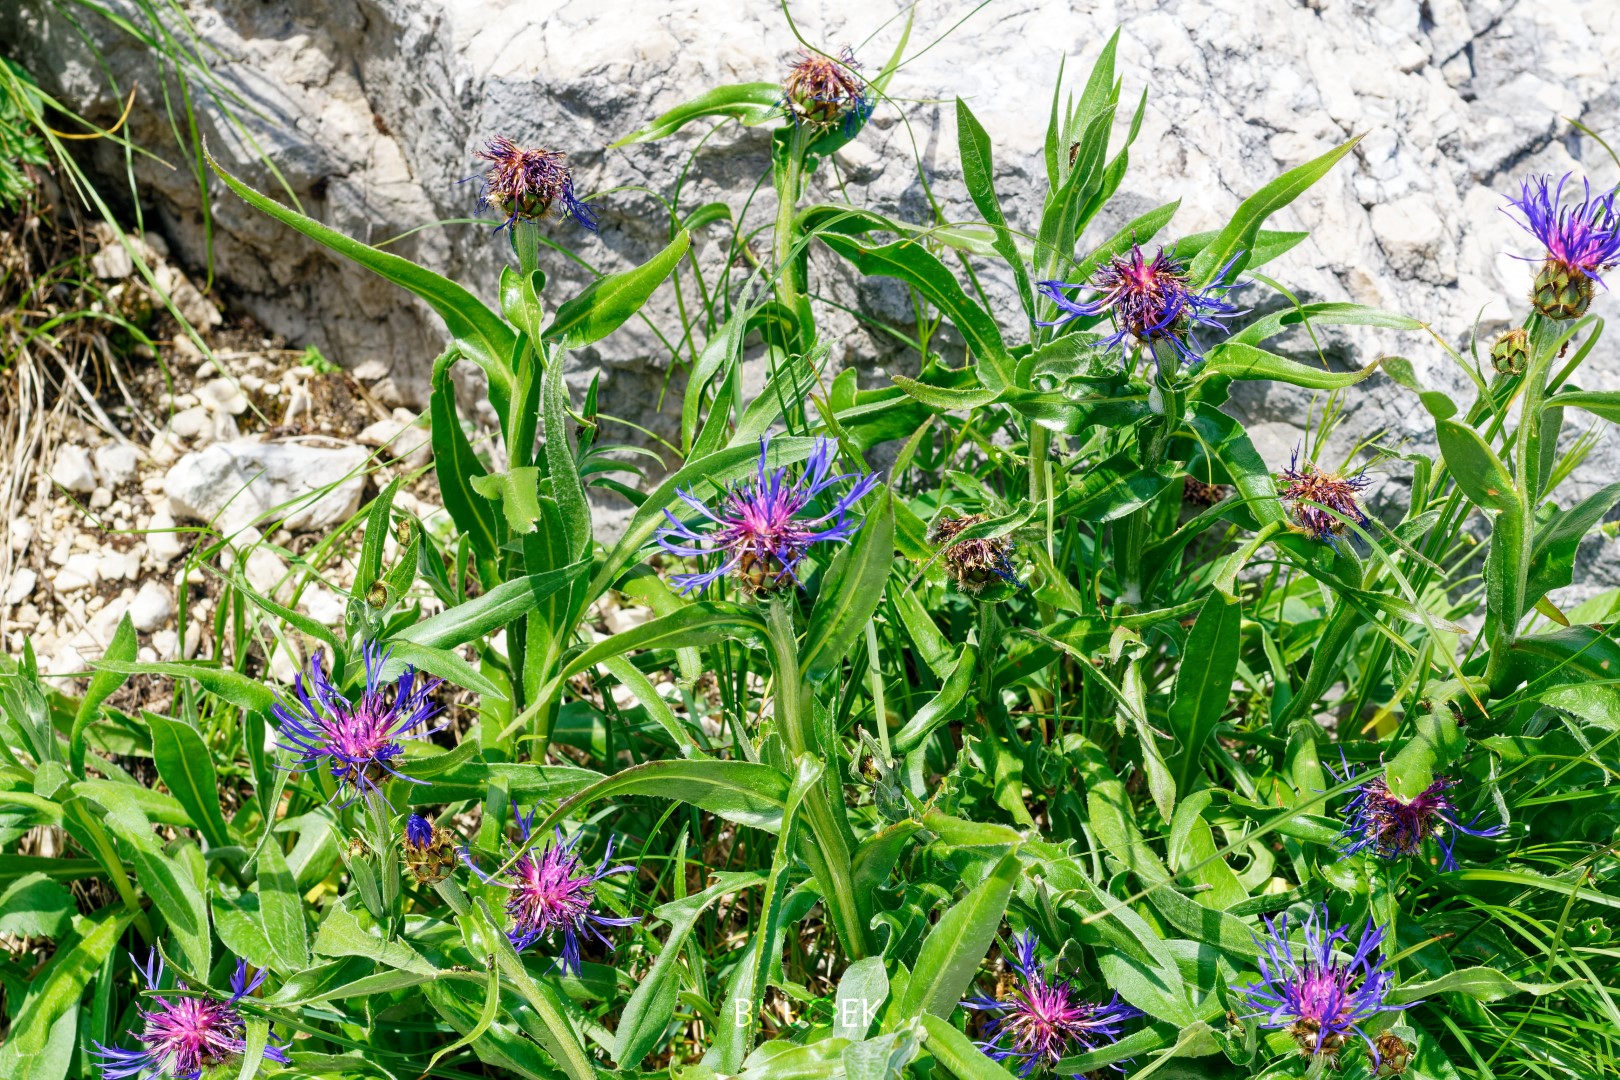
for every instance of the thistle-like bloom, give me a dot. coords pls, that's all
(765, 526)
(429, 850)
(1045, 1021)
(823, 93)
(527, 183)
(182, 1036)
(1307, 489)
(1581, 240)
(1150, 301)
(1317, 997)
(1378, 820)
(552, 892)
(357, 741)
(977, 565)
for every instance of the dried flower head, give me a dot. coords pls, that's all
(1307, 490)
(183, 1036)
(1378, 820)
(1150, 301)
(357, 741)
(526, 184)
(1199, 493)
(429, 850)
(551, 892)
(1045, 1020)
(1320, 997)
(764, 527)
(1581, 241)
(822, 93)
(977, 564)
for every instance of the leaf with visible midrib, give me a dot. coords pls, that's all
(954, 947)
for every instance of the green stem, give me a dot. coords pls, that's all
(827, 849)
(789, 180)
(1132, 533)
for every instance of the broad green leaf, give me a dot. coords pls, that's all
(35, 905)
(850, 594)
(701, 623)
(516, 492)
(1479, 983)
(186, 767)
(1478, 471)
(1433, 746)
(861, 992)
(607, 302)
(954, 948)
(748, 103)
(234, 687)
(1204, 681)
(959, 1054)
(1604, 403)
(57, 988)
(282, 908)
(447, 664)
(340, 934)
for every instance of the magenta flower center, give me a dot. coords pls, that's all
(549, 892)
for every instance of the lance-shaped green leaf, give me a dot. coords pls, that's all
(1240, 361)
(745, 792)
(1328, 314)
(479, 332)
(1240, 233)
(234, 687)
(954, 948)
(607, 302)
(103, 684)
(282, 909)
(912, 263)
(978, 173)
(1604, 403)
(456, 465)
(850, 595)
(748, 103)
(648, 1012)
(1479, 983)
(485, 614)
(186, 767)
(57, 988)
(1110, 490)
(1204, 681)
(944, 705)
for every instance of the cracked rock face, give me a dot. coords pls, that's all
(371, 110)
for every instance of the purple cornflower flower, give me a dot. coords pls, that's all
(822, 93)
(551, 891)
(761, 533)
(1149, 300)
(1581, 240)
(429, 851)
(525, 183)
(1045, 1021)
(1317, 998)
(1308, 489)
(1378, 820)
(358, 739)
(182, 1036)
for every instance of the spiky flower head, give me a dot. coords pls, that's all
(551, 892)
(1582, 240)
(1511, 351)
(1045, 1020)
(1380, 821)
(1150, 301)
(527, 183)
(429, 851)
(1307, 490)
(822, 93)
(357, 741)
(981, 567)
(1320, 996)
(180, 1037)
(762, 528)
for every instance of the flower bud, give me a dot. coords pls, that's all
(1511, 352)
(429, 851)
(1561, 292)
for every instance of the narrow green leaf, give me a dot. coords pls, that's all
(282, 908)
(103, 684)
(850, 595)
(1204, 681)
(607, 302)
(744, 792)
(493, 610)
(954, 948)
(748, 103)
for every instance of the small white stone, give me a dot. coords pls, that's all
(223, 396)
(163, 643)
(162, 542)
(193, 638)
(323, 605)
(371, 370)
(73, 471)
(22, 531)
(100, 499)
(117, 463)
(113, 565)
(283, 665)
(152, 607)
(207, 369)
(21, 587)
(192, 422)
(80, 571)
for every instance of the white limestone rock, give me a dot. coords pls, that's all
(233, 484)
